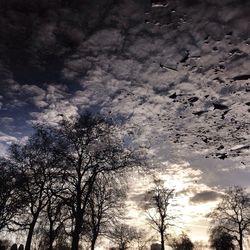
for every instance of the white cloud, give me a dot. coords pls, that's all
(8, 139)
(3, 149)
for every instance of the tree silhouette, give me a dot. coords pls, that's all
(88, 146)
(53, 220)
(182, 243)
(123, 236)
(221, 240)
(33, 161)
(8, 206)
(157, 202)
(60, 167)
(56, 215)
(104, 207)
(142, 241)
(232, 214)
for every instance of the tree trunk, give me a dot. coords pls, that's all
(51, 237)
(50, 244)
(241, 241)
(123, 246)
(93, 241)
(76, 234)
(75, 241)
(162, 241)
(30, 233)
(80, 210)
(95, 234)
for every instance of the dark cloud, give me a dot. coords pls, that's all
(138, 198)
(169, 68)
(205, 196)
(36, 37)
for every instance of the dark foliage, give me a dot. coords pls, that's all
(221, 240)
(232, 214)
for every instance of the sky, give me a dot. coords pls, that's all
(176, 71)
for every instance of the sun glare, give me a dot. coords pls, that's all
(190, 216)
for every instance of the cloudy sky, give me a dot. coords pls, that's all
(178, 72)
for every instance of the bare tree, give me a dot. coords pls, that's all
(105, 206)
(8, 206)
(123, 236)
(221, 240)
(233, 214)
(64, 163)
(55, 213)
(53, 222)
(61, 242)
(33, 162)
(142, 241)
(88, 146)
(157, 203)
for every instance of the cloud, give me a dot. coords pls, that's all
(8, 139)
(3, 149)
(6, 121)
(150, 63)
(205, 196)
(104, 41)
(33, 94)
(165, 68)
(17, 95)
(54, 113)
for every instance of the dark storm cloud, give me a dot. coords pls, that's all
(16, 95)
(37, 36)
(205, 196)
